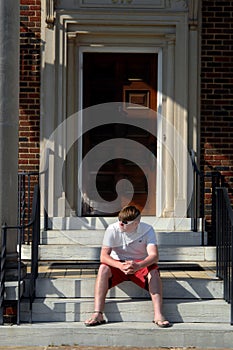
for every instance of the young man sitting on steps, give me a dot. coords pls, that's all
(129, 253)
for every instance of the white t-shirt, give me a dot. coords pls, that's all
(129, 246)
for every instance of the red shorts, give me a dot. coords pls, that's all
(139, 277)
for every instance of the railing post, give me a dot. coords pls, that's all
(22, 202)
(2, 274)
(34, 246)
(215, 183)
(20, 229)
(195, 176)
(231, 275)
(199, 197)
(224, 244)
(28, 206)
(219, 232)
(202, 207)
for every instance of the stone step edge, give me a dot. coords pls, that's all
(127, 334)
(194, 289)
(90, 223)
(96, 237)
(126, 310)
(134, 300)
(11, 290)
(84, 253)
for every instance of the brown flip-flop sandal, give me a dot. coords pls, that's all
(161, 324)
(94, 321)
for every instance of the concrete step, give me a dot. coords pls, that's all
(127, 334)
(72, 252)
(126, 309)
(11, 290)
(95, 237)
(191, 288)
(101, 223)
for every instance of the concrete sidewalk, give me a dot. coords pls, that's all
(94, 348)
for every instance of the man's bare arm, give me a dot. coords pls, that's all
(152, 258)
(105, 258)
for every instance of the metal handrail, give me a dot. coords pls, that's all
(2, 275)
(217, 179)
(224, 244)
(198, 178)
(35, 224)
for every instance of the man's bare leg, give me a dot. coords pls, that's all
(101, 289)
(155, 289)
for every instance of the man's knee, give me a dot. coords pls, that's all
(154, 274)
(104, 271)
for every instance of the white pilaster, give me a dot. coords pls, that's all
(169, 129)
(9, 110)
(194, 83)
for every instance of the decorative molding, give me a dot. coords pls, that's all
(50, 18)
(71, 35)
(171, 38)
(193, 14)
(179, 5)
(123, 3)
(139, 98)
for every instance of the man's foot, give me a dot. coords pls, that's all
(95, 320)
(162, 323)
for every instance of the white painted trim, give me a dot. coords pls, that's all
(159, 178)
(147, 30)
(126, 4)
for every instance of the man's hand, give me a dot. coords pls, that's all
(130, 267)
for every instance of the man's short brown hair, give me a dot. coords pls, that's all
(129, 213)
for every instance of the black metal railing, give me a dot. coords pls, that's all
(26, 182)
(2, 275)
(34, 225)
(202, 210)
(224, 244)
(198, 190)
(34, 246)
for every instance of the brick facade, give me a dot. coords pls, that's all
(29, 114)
(217, 93)
(216, 89)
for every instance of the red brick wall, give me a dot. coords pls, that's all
(217, 91)
(29, 114)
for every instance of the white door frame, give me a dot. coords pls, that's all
(166, 33)
(112, 49)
